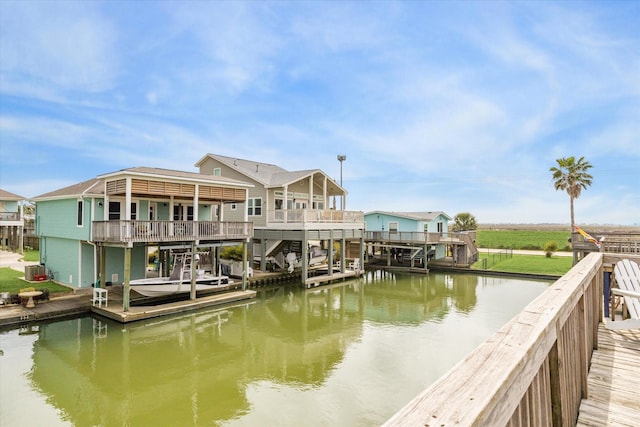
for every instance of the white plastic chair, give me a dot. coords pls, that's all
(100, 295)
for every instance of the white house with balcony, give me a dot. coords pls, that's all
(293, 212)
(11, 221)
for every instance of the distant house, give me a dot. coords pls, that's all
(413, 234)
(97, 227)
(11, 221)
(291, 211)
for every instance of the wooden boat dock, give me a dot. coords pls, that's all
(163, 306)
(322, 279)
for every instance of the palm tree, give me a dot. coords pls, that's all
(464, 221)
(572, 177)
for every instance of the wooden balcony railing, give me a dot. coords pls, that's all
(9, 216)
(414, 237)
(533, 371)
(122, 231)
(620, 242)
(307, 216)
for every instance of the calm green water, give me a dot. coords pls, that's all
(347, 355)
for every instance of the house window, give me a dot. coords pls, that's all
(80, 213)
(134, 210)
(254, 206)
(182, 213)
(318, 205)
(278, 203)
(217, 171)
(393, 227)
(440, 227)
(114, 211)
(234, 206)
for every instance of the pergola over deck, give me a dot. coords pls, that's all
(171, 187)
(536, 369)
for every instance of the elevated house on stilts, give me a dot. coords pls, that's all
(296, 227)
(101, 231)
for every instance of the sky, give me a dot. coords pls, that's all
(456, 106)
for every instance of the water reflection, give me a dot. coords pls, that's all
(197, 368)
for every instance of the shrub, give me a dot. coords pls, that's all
(232, 252)
(549, 248)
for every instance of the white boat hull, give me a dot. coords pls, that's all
(157, 287)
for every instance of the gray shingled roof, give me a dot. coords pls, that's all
(93, 187)
(265, 173)
(6, 195)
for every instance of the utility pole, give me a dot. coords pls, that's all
(341, 158)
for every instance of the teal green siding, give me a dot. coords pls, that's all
(380, 222)
(87, 259)
(163, 212)
(204, 213)
(59, 218)
(60, 257)
(115, 263)
(98, 214)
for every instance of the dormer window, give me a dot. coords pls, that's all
(217, 171)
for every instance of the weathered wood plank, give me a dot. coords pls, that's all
(614, 381)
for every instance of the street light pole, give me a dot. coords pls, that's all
(341, 158)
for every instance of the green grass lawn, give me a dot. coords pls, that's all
(31, 255)
(530, 264)
(522, 239)
(10, 282)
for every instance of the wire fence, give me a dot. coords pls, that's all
(492, 258)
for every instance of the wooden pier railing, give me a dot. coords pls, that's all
(533, 371)
(416, 237)
(314, 216)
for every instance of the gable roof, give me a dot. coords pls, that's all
(91, 187)
(270, 176)
(418, 216)
(5, 195)
(95, 186)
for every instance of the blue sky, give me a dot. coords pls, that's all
(453, 106)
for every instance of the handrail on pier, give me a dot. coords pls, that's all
(533, 371)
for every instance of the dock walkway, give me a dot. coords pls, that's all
(613, 383)
(73, 304)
